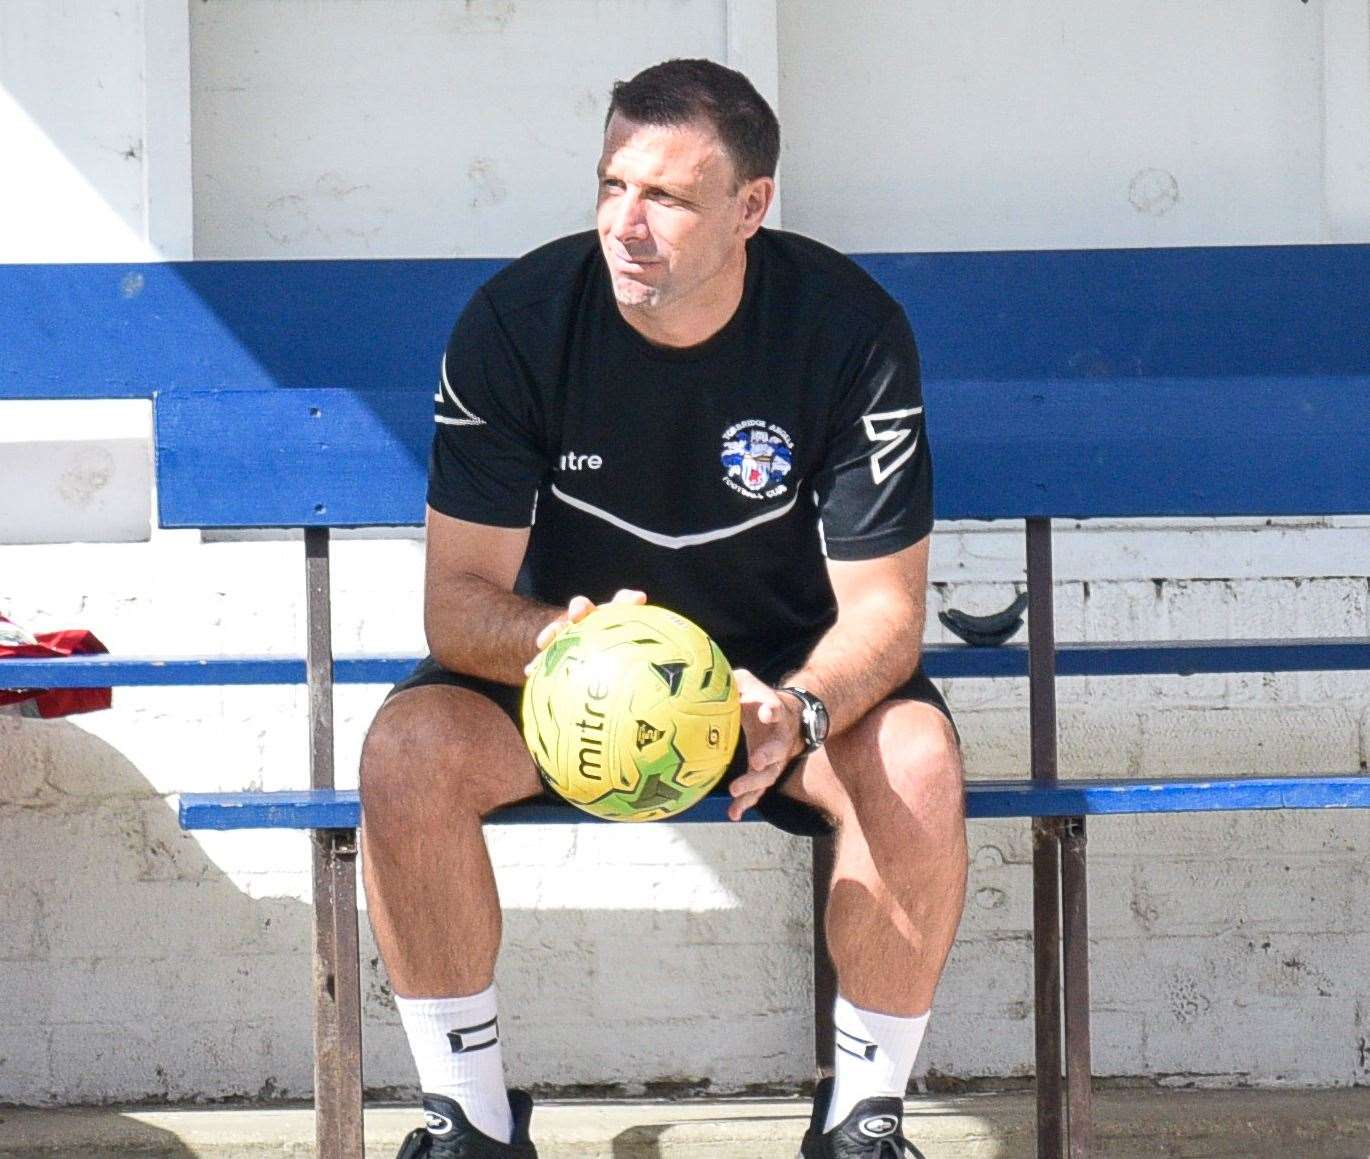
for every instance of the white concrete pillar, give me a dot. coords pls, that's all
(753, 38)
(95, 126)
(1346, 119)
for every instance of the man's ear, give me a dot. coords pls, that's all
(756, 197)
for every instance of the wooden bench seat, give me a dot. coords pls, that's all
(341, 808)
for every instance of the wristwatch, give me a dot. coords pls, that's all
(813, 716)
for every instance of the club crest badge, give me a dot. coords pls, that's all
(757, 457)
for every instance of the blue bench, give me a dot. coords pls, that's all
(1069, 385)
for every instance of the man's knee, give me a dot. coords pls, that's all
(927, 769)
(432, 741)
(911, 754)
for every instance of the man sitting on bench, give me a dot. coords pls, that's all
(728, 419)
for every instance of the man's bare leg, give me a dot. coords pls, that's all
(436, 760)
(893, 785)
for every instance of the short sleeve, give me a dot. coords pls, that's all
(487, 460)
(874, 487)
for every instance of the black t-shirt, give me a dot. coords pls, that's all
(716, 477)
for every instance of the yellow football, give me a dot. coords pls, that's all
(632, 714)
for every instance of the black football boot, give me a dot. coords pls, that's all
(873, 1130)
(448, 1134)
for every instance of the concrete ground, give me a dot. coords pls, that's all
(1131, 1124)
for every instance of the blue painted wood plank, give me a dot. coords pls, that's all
(1120, 448)
(1191, 657)
(295, 458)
(341, 809)
(305, 809)
(1107, 448)
(1147, 658)
(1157, 657)
(1188, 312)
(1188, 795)
(121, 330)
(108, 671)
(126, 330)
(148, 671)
(151, 671)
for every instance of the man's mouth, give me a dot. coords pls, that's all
(635, 263)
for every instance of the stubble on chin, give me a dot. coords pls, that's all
(636, 295)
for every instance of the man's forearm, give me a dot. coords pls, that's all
(860, 660)
(476, 627)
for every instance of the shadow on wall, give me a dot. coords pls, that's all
(134, 970)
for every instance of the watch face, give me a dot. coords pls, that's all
(820, 721)
(813, 717)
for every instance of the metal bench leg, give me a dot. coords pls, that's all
(337, 998)
(1046, 951)
(1075, 950)
(1052, 1125)
(824, 975)
(337, 967)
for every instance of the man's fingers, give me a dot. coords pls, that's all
(749, 688)
(550, 632)
(578, 608)
(756, 780)
(741, 804)
(751, 786)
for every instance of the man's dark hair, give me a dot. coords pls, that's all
(677, 92)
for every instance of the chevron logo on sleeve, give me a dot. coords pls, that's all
(890, 432)
(446, 394)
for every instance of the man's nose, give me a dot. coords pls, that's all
(631, 222)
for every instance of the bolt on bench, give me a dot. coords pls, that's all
(1060, 385)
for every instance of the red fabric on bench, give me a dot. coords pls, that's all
(52, 702)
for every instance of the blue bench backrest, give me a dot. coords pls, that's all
(1199, 381)
(114, 331)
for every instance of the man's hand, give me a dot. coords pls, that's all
(771, 724)
(577, 610)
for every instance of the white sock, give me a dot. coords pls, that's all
(455, 1043)
(875, 1055)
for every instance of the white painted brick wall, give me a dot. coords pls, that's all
(140, 962)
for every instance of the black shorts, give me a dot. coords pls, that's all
(781, 811)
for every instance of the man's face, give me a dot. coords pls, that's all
(670, 214)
